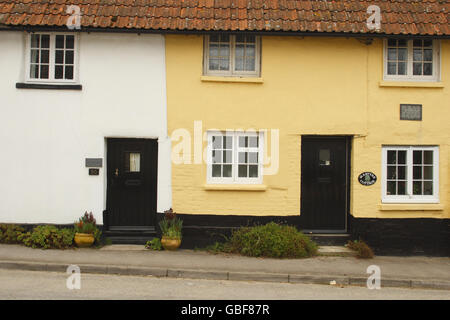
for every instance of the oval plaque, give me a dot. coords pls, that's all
(367, 178)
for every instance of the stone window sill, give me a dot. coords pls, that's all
(25, 85)
(231, 79)
(237, 187)
(411, 84)
(411, 207)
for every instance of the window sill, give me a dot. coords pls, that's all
(237, 187)
(23, 85)
(231, 79)
(411, 207)
(411, 84)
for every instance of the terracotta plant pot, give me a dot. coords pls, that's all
(170, 244)
(84, 240)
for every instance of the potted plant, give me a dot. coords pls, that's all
(171, 230)
(85, 230)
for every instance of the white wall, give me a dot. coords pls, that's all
(45, 135)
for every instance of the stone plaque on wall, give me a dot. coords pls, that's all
(94, 162)
(411, 112)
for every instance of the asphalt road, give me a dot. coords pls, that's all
(15, 284)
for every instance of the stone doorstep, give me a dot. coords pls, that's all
(224, 275)
(336, 251)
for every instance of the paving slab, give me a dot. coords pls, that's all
(420, 271)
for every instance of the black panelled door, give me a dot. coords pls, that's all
(324, 184)
(132, 166)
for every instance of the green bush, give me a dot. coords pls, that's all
(270, 240)
(154, 244)
(48, 237)
(9, 233)
(363, 251)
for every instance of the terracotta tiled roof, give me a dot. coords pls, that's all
(415, 17)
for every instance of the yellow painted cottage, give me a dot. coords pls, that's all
(333, 127)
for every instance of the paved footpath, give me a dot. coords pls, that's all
(408, 272)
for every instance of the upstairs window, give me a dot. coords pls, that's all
(411, 60)
(51, 57)
(232, 55)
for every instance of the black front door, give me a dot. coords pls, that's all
(324, 184)
(132, 166)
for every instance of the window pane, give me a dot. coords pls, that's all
(213, 64)
(392, 172)
(242, 171)
(392, 157)
(392, 54)
(224, 38)
(392, 68)
(428, 188)
(135, 162)
(401, 157)
(35, 40)
(59, 41)
(402, 43)
(417, 55)
(213, 50)
(216, 156)
(427, 69)
(392, 42)
(417, 187)
(428, 55)
(227, 157)
(391, 188)
(417, 43)
(214, 38)
(34, 56)
(239, 50)
(401, 172)
(44, 56)
(428, 43)
(253, 142)
(44, 71)
(417, 69)
(417, 172)
(59, 56)
(69, 56)
(227, 170)
(45, 41)
(243, 142)
(224, 65)
(242, 157)
(224, 50)
(227, 142)
(401, 187)
(68, 72)
(428, 157)
(250, 64)
(216, 170)
(253, 157)
(402, 54)
(70, 42)
(217, 142)
(59, 72)
(239, 64)
(428, 173)
(417, 157)
(402, 68)
(253, 171)
(34, 71)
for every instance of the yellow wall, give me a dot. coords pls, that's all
(326, 86)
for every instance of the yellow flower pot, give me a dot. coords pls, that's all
(170, 244)
(84, 240)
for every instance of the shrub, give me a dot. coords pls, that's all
(271, 240)
(363, 251)
(154, 244)
(9, 233)
(48, 237)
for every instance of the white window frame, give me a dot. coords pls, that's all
(234, 179)
(409, 197)
(51, 79)
(409, 67)
(231, 72)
